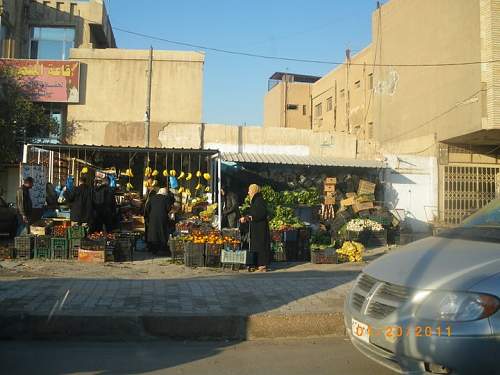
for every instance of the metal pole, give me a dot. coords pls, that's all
(148, 100)
(219, 196)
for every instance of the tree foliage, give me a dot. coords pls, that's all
(20, 118)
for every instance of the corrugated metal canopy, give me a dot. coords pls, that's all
(300, 160)
(64, 147)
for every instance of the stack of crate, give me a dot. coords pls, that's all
(59, 248)
(329, 198)
(365, 197)
(23, 246)
(75, 235)
(42, 247)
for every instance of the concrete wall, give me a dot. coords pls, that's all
(412, 102)
(114, 90)
(257, 139)
(349, 87)
(411, 184)
(90, 20)
(276, 101)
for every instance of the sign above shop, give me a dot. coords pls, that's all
(46, 80)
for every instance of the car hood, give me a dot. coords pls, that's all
(438, 263)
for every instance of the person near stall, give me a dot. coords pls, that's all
(173, 193)
(24, 206)
(150, 193)
(230, 208)
(104, 204)
(260, 240)
(81, 200)
(158, 210)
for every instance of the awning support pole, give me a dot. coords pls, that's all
(219, 195)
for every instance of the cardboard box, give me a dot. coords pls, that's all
(330, 180)
(329, 188)
(41, 227)
(366, 187)
(329, 200)
(347, 202)
(330, 194)
(91, 256)
(357, 207)
(351, 194)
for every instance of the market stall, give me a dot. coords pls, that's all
(192, 175)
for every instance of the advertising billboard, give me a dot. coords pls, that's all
(47, 80)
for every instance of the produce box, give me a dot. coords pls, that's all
(348, 202)
(95, 245)
(351, 194)
(42, 243)
(366, 187)
(59, 248)
(324, 256)
(357, 207)
(41, 227)
(24, 246)
(365, 198)
(194, 255)
(91, 256)
(329, 188)
(330, 200)
(231, 232)
(76, 232)
(176, 246)
(213, 255)
(74, 246)
(59, 231)
(330, 180)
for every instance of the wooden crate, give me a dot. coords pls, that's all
(347, 202)
(357, 207)
(329, 188)
(330, 180)
(329, 200)
(366, 187)
(350, 194)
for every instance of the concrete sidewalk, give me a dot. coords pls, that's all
(294, 302)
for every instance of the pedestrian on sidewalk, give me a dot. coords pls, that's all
(81, 200)
(157, 211)
(24, 206)
(259, 227)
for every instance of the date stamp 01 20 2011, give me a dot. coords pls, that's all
(363, 330)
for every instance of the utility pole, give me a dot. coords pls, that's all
(147, 122)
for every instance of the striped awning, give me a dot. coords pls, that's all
(300, 160)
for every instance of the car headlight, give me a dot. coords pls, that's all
(457, 307)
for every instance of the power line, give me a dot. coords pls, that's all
(292, 59)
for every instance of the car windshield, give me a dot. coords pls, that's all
(484, 225)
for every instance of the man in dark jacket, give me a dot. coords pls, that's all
(104, 205)
(230, 208)
(81, 201)
(24, 206)
(157, 210)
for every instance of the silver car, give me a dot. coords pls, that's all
(432, 307)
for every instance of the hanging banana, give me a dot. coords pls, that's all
(207, 189)
(198, 174)
(189, 176)
(155, 173)
(207, 176)
(129, 186)
(147, 171)
(181, 176)
(84, 170)
(173, 173)
(165, 173)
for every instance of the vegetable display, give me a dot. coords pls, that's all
(351, 252)
(284, 218)
(359, 225)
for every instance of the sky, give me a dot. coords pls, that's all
(234, 86)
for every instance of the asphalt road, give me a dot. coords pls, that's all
(277, 357)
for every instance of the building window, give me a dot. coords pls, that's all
(51, 43)
(357, 84)
(329, 104)
(370, 81)
(318, 110)
(342, 93)
(292, 107)
(304, 110)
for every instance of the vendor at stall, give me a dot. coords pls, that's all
(260, 241)
(157, 211)
(81, 203)
(230, 208)
(104, 204)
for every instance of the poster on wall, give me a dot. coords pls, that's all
(39, 175)
(47, 80)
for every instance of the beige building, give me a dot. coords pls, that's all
(113, 95)
(287, 104)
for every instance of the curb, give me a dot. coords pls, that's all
(183, 327)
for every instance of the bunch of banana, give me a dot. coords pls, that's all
(147, 171)
(181, 189)
(198, 187)
(207, 189)
(155, 183)
(155, 173)
(181, 175)
(173, 173)
(84, 170)
(198, 174)
(129, 186)
(189, 176)
(207, 176)
(128, 173)
(188, 192)
(165, 173)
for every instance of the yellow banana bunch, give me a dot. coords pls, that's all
(181, 176)
(129, 186)
(128, 173)
(147, 171)
(207, 176)
(173, 173)
(181, 189)
(198, 174)
(84, 170)
(188, 192)
(207, 189)
(189, 176)
(165, 173)
(198, 187)
(155, 173)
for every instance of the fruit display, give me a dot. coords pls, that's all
(351, 252)
(209, 213)
(320, 240)
(96, 236)
(211, 238)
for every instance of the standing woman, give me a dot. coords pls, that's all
(259, 227)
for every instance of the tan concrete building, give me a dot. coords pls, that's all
(287, 104)
(113, 96)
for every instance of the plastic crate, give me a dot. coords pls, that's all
(59, 248)
(76, 232)
(194, 255)
(276, 235)
(234, 257)
(278, 251)
(231, 232)
(43, 253)
(59, 231)
(73, 246)
(325, 256)
(213, 255)
(42, 242)
(176, 248)
(23, 246)
(95, 245)
(377, 239)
